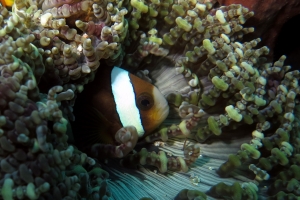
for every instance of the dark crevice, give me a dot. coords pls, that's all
(288, 43)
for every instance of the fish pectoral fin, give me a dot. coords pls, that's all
(90, 126)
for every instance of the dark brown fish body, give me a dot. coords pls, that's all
(116, 99)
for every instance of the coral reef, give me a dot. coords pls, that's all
(220, 88)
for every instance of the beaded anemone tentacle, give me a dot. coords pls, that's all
(219, 87)
(192, 46)
(228, 81)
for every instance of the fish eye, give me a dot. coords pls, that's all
(144, 101)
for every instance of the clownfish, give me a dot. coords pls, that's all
(7, 3)
(116, 99)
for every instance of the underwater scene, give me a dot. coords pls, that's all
(149, 100)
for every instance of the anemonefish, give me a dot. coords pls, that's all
(116, 99)
(7, 3)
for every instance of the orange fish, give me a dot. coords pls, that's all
(7, 3)
(116, 99)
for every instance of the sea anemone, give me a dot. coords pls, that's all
(227, 102)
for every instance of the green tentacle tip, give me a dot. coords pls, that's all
(174, 98)
(208, 100)
(248, 67)
(163, 161)
(254, 153)
(190, 194)
(219, 83)
(221, 189)
(259, 101)
(152, 12)
(224, 120)
(139, 5)
(237, 83)
(233, 113)
(222, 66)
(214, 126)
(277, 106)
(248, 119)
(169, 39)
(283, 195)
(209, 46)
(2, 120)
(133, 23)
(178, 9)
(193, 98)
(155, 40)
(281, 157)
(183, 24)
(7, 189)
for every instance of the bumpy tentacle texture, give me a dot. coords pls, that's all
(72, 37)
(230, 85)
(36, 160)
(161, 161)
(219, 85)
(34, 155)
(127, 138)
